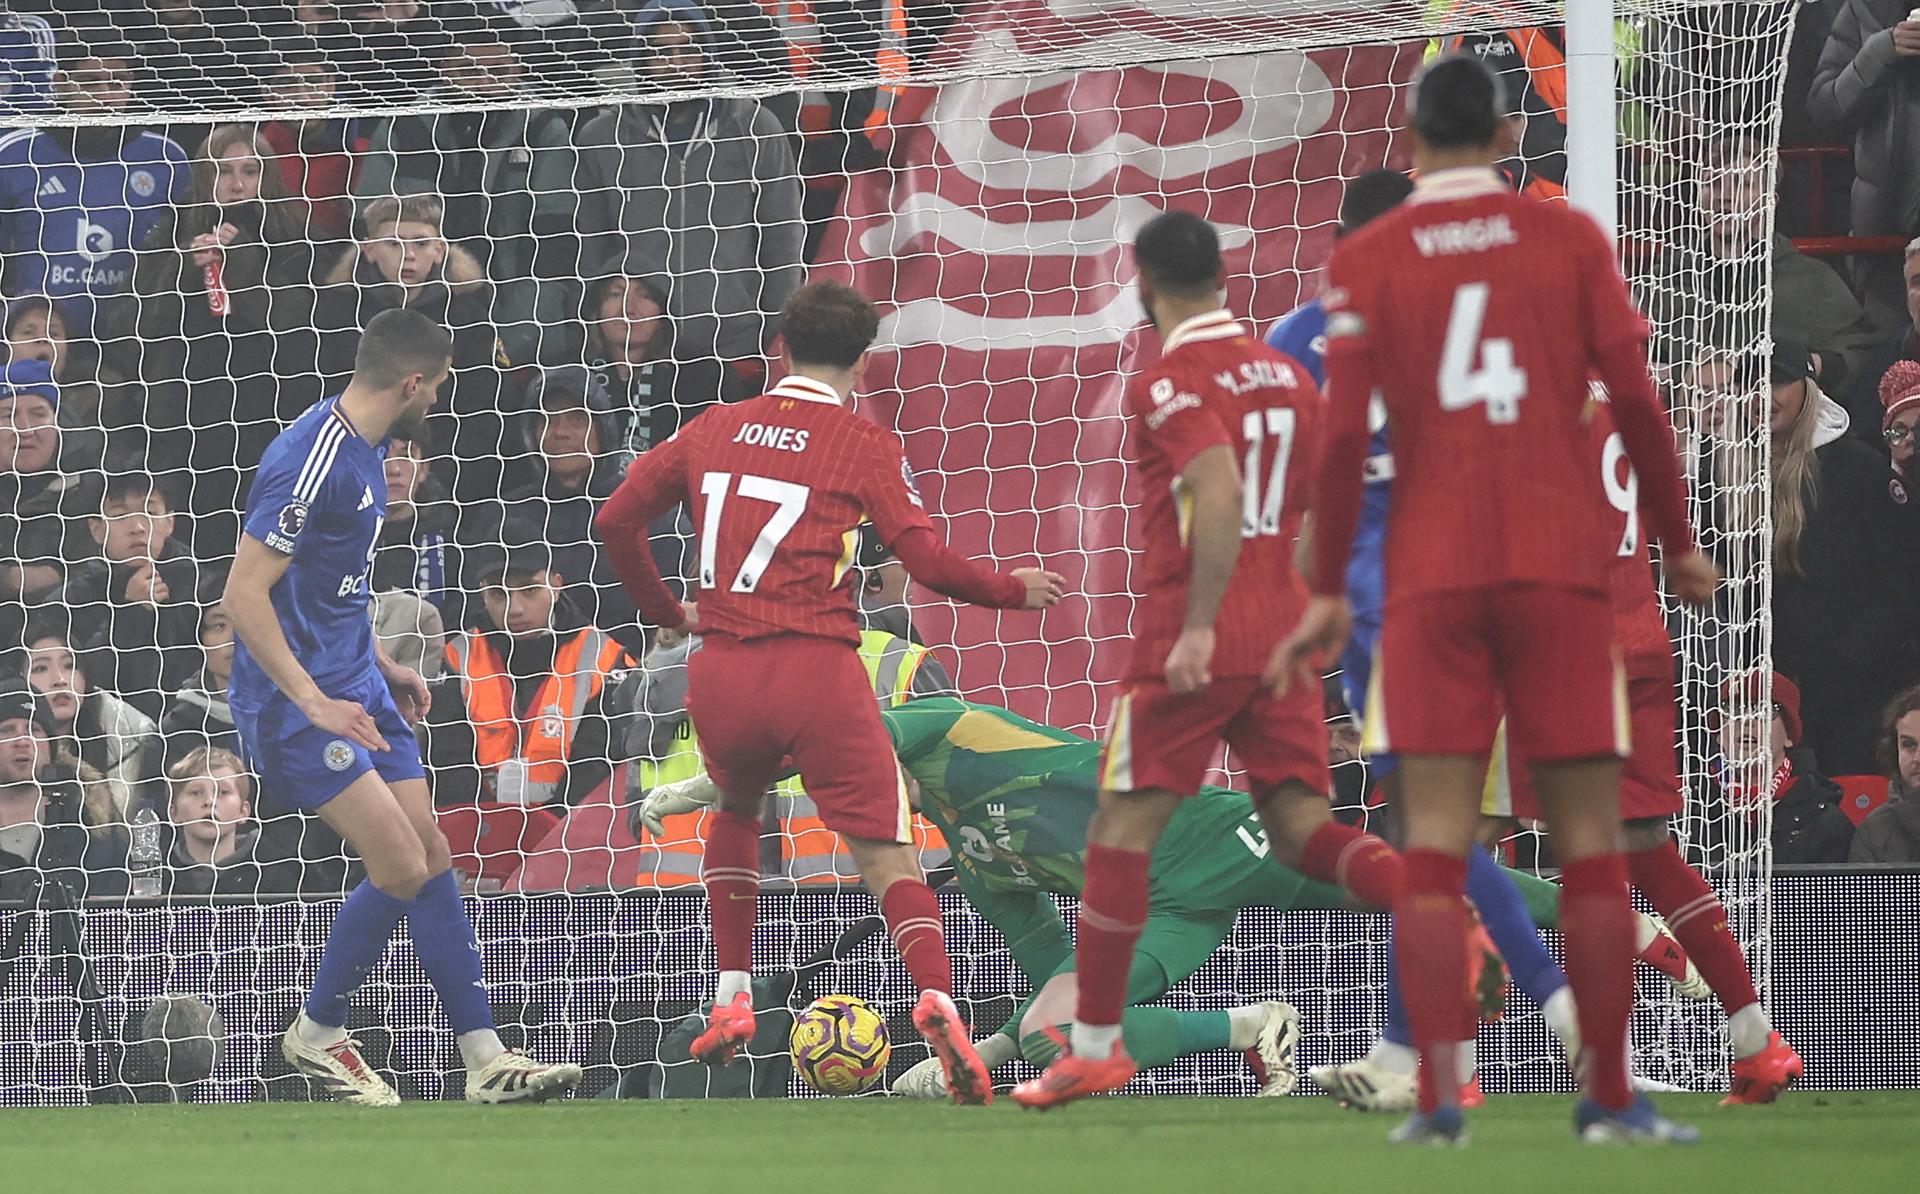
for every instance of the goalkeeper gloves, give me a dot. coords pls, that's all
(667, 800)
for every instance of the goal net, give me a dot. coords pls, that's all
(606, 208)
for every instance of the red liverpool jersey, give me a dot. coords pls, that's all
(1478, 316)
(778, 484)
(1216, 385)
(1639, 627)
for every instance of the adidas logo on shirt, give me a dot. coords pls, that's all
(366, 498)
(53, 186)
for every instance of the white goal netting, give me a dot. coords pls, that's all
(607, 203)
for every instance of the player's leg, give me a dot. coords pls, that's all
(1650, 794)
(1171, 948)
(1158, 748)
(845, 759)
(366, 815)
(739, 719)
(449, 951)
(1433, 700)
(1566, 700)
(1764, 1063)
(1282, 742)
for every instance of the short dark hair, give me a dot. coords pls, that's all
(399, 343)
(70, 49)
(1906, 702)
(1371, 196)
(1457, 103)
(828, 323)
(134, 486)
(1180, 253)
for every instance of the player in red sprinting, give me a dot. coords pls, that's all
(1228, 435)
(1478, 315)
(1650, 792)
(778, 486)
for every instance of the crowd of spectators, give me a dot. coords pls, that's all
(177, 293)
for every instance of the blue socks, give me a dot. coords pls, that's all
(1505, 914)
(1510, 925)
(449, 953)
(359, 936)
(442, 938)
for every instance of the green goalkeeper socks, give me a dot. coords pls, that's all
(1541, 897)
(1153, 1036)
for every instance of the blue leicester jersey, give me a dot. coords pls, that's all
(26, 65)
(320, 497)
(69, 228)
(1302, 335)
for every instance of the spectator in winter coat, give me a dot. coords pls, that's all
(219, 327)
(315, 155)
(92, 393)
(44, 831)
(94, 730)
(631, 350)
(37, 477)
(1808, 824)
(708, 188)
(566, 434)
(132, 593)
(522, 715)
(416, 553)
(1900, 424)
(1867, 86)
(1890, 835)
(505, 177)
(198, 715)
(404, 261)
(26, 78)
(1846, 550)
(75, 202)
(1812, 305)
(214, 846)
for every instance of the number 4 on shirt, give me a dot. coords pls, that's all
(1473, 370)
(789, 502)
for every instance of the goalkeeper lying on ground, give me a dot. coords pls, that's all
(1013, 799)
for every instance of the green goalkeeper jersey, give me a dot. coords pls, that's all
(1013, 799)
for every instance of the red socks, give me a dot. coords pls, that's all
(1698, 921)
(1113, 910)
(731, 871)
(1360, 862)
(913, 917)
(1430, 941)
(1597, 918)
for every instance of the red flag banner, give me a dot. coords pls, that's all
(997, 247)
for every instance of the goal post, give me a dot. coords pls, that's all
(986, 210)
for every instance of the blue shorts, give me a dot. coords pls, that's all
(1356, 672)
(305, 766)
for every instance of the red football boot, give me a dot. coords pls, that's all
(1472, 1096)
(727, 1029)
(1070, 1078)
(1761, 1077)
(940, 1023)
(1486, 971)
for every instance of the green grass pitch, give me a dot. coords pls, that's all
(1841, 1143)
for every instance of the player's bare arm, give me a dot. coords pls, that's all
(409, 687)
(1211, 481)
(256, 569)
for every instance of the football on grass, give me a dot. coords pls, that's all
(840, 1045)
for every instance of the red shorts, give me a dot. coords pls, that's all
(1650, 781)
(1159, 739)
(757, 704)
(1451, 665)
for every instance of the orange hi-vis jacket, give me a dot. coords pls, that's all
(543, 734)
(800, 29)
